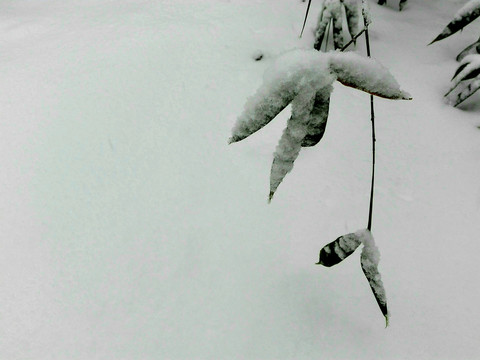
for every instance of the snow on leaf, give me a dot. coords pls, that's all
(470, 49)
(469, 69)
(323, 21)
(339, 249)
(369, 259)
(260, 109)
(290, 143)
(281, 84)
(304, 78)
(353, 16)
(317, 119)
(366, 14)
(465, 92)
(469, 12)
(332, 13)
(367, 75)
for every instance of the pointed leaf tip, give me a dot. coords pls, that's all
(386, 321)
(270, 196)
(369, 262)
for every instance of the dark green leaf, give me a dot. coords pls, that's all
(338, 250)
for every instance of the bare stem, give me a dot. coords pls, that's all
(372, 118)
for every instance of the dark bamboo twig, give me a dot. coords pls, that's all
(306, 15)
(372, 118)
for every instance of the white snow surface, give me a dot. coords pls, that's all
(130, 230)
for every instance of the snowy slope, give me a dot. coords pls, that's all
(131, 230)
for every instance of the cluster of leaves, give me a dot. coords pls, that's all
(339, 249)
(466, 80)
(304, 78)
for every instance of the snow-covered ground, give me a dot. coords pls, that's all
(131, 230)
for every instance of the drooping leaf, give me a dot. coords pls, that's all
(260, 109)
(317, 119)
(339, 249)
(469, 12)
(366, 74)
(469, 69)
(290, 143)
(320, 31)
(337, 28)
(352, 15)
(469, 50)
(283, 81)
(459, 70)
(369, 260)
(466, 91)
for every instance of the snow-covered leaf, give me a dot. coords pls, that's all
(369, 260)
(317, 119)
(469, 69)
(366, 74)
(339, 249)
(290, 143)
(331, 13)
(469, 12)
(470, 49)
(292, 72)
(353, 16)
(260, 109)
(465, 92)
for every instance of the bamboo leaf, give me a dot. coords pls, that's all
(290, 143)
(260, 109)
(367, 75)
(469, 12)
(467, 91)
(323, 21)
(470, 49)
(352, 15)
(369, 260)
(317, 119)
(469, 69)
(337, 28)
(339, 249)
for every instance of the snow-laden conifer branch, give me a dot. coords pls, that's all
(304, 78)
